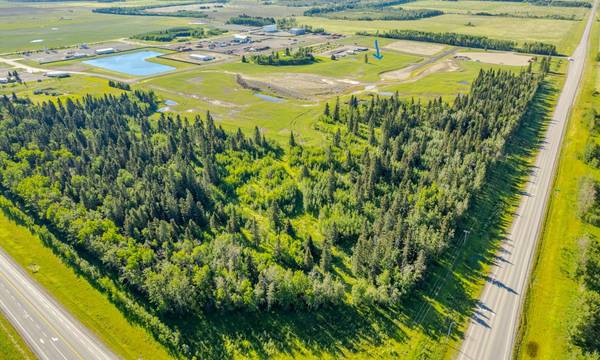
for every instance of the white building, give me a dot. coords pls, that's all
(105, 51)
(239, 38)
(202, 57)
(270, 28)
(3, 80)
(57, 74)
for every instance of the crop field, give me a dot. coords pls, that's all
(495, 7)
(557, 32)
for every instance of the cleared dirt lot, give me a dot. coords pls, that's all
(498, 58)
(299, 86)
(415, 47)
(407, 75)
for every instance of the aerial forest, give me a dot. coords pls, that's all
(189, 217)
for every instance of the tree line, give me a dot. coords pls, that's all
(142, 10)
(473, 41)
(177, 32)
(248, 20)
(302, 56)
(390, 14)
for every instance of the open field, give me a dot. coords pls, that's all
(495, 7)
(90, 307)
(68, 24)
(496, 57)
(558, 32)
(554, 296)
(415, 47)
(12, 346)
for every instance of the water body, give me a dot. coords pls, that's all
(270, 98)
(170, 102)
(131, 63)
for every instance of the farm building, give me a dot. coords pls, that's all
(3, 80)
(270, 28)
(297, 31)
(57, 74)
(202, 57)
(105, 51)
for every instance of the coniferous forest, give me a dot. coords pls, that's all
(190, 217)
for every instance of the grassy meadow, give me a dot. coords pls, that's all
(558, 32)
(554, 294)
(495, 7)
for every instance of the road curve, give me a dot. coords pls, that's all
(492, 330)
(50, 332)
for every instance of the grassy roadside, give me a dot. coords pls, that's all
(87, 304)
(12, 347)
(554, 291)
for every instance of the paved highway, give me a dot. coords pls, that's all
(51, 333)
(492, 330)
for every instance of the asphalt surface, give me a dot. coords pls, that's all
(493, 326)
(50, 332)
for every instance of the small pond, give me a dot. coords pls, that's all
(131, 63)
(269, 98)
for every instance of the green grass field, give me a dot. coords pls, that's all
(554, 292)
(12, 346)
(495, 7)
(68, 24)
(557, 32)
(90, 307)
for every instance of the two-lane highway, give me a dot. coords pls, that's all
(493, 327)
(50, 331)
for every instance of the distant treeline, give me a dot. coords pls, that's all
(176, 32)
(303, 56)
(142, 10)
(557, 3)
(473, 41)
(395, 14)
(529, 16)
(32, 1)
(248, 20)
(320, 10)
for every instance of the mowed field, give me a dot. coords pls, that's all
(558, 32)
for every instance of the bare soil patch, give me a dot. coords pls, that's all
(415, 47)
(406, 74)
(299, 86)
(498, 58)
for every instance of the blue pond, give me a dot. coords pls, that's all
(269, 98)
(131, 64)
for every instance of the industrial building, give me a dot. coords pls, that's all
(57, 74)
(202, 57)
(297, 31)
(270, 28)
(105, 51)
(239, 38)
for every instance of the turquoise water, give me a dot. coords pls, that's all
(269, 98)
(131, 63)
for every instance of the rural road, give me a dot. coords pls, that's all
(493, 327)
(50, 332)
